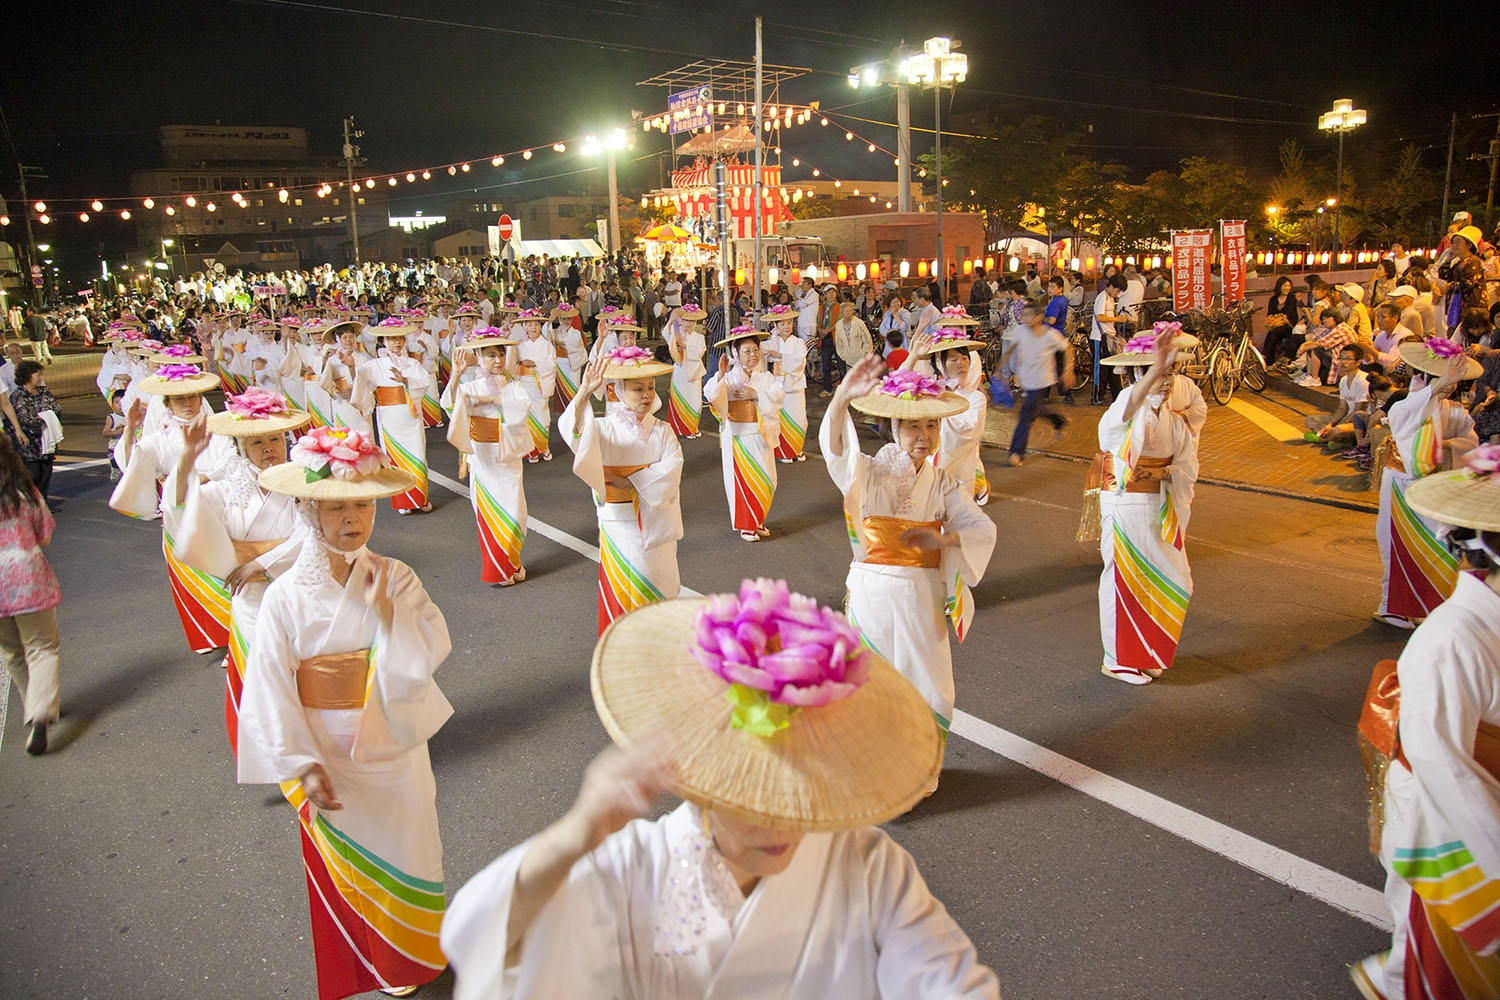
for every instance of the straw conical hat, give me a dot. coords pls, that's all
(956, 341)
(479, 343)
(862, 760)
(1461, 498)
(290, 479)
(881, 404)
(1145, 359)
(742, 333)
(190, 385)
(1417, 354)
(232, 424)
(948, 319)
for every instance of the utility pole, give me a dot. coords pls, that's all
(757, 219)
(1493, 156)
(1448, 174)
(351, 157)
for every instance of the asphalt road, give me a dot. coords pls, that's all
(132, 865)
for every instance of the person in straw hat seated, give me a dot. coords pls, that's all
(633, 464)
(788, 742)
(747, 401)
(338, 705)
(951, 355)
(339, 360)
(919, 540)
(229, 527)
(1145, 500)
(389, 388)
(533, 363)
(686, 344)
(201, 599)
(1429, 432)
(1430, 731)
(487, 423)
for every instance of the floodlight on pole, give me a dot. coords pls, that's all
(1343, 118)
(939, 67)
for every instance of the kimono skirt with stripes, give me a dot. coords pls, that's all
(1419, 570)
(1146, 583)
(404, 441)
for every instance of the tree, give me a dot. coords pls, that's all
(1138, 217)
(1404, 199)
(1214, 190)
(1013, 166)
(1080, 198)
(813, 208)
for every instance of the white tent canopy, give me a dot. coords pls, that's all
(552, 248)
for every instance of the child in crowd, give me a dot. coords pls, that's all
(1329, 336)
(114, 426)
(895, 354)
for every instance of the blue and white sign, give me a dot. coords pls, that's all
(691, 109)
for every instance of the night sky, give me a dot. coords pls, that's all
(84, 85)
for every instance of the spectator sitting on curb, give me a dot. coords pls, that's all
(1390, 333)
(1318, 350)
(1351, 417)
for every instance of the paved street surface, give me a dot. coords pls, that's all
(1201, 837)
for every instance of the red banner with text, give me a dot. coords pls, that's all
(1232, 258)
(1190, 276)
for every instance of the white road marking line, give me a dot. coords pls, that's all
(1323, 884)
(80, 465)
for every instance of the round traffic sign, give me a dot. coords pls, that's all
(507, 228)
(36, 270)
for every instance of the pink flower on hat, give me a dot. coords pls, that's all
(531, 314)
(1166, 326)
(256, 404)
(177, 351)
(1442, 347)
(340, 452)
(776, 648)
(948, 333)
(1483, 460)
(1144, 343)
(630, 356)
(742, 328)
(955, 311)
(392, 321)
(176, 373)
(781, 311)
(911, 385)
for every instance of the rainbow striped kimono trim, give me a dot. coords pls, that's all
(752, 488)
(1423, 571)
(565, 388)
(1166, 517)
(793, 436)
(432, 411)
(202, 602)
(402, 458)
(1149, 609)
(319, 418)
(373, 925)
(539, 438)
(499, 536)
(960, 607)
(981, 485)
(234, 682)
(1427, 450)
(622, 586)
(683, 414)
(1454, 913)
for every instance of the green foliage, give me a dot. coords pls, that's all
(813, 208)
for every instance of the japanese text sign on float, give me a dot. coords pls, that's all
(1191, 284)
(691, 109)
(1232, 247)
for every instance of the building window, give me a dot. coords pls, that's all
(336, 201)
(297, 202)
(361, 201)
(566, 211)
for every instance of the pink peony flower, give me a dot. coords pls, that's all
(1166, 326)
(948, 333)
(630, 356)
(911, 385)
(392, 321)
(341, 452)
(175, 373)
(487, 331)
(1144, 343)
(151, 344)
(1442, 347)
(741, 329)
(781, 311)
(1484, 460)
(177, 351)
(955, 311)
(531, 314)
(256, 403)
(783, 644)
(291, 321)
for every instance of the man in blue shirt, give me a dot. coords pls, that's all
(1056, 315)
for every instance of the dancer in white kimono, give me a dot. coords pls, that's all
(919, 541)
(533, 363)
(424, 349)
(338, 706)
(685, 342)
(950, 354)
(487, 423)
(1435, 732)
(390, 389)
(299, 372)
(568, 343)
(633, 464)
(786, 354)
(341, 358)
(1145, 500)
(769, 881)
(230, 528)
(747, 401)
(1429, 433)
(201, 599)
(115, 362)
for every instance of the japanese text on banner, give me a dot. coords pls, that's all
(1232, 248)
(1191, 286)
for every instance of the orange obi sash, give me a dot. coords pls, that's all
(334, 681)
(390, 395)
(526, 367)
(883, 545)
(246, 551)
(743, 411)
(562, 352)
(308, 374)
(1380, 741)
(1149, 484)
(485, 430)
(620, 494)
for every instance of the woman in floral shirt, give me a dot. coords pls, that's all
(28, 596)
(31, 398)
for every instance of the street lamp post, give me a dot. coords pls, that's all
(894, 70)
(1344, 117)
(939, 66)
(611, 143)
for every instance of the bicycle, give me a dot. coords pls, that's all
(1229, 367)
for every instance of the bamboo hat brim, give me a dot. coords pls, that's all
(616, 327)
(479, 343)
(743, 335)
(1460, 498)
(771, 319)
(881, 404)
(1417, 355)
(229, 425)
(290, 479)
(193, 385)
(953, 321)
(952, 345)
(856, 762)
(331, 333)
(1181, 342)
(647, 369)
(467, 311)
(405, 330)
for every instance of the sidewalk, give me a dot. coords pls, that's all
(1253, 444)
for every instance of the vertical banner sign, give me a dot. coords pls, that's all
(1190, 278)
(690, 109)
(1232, 259)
